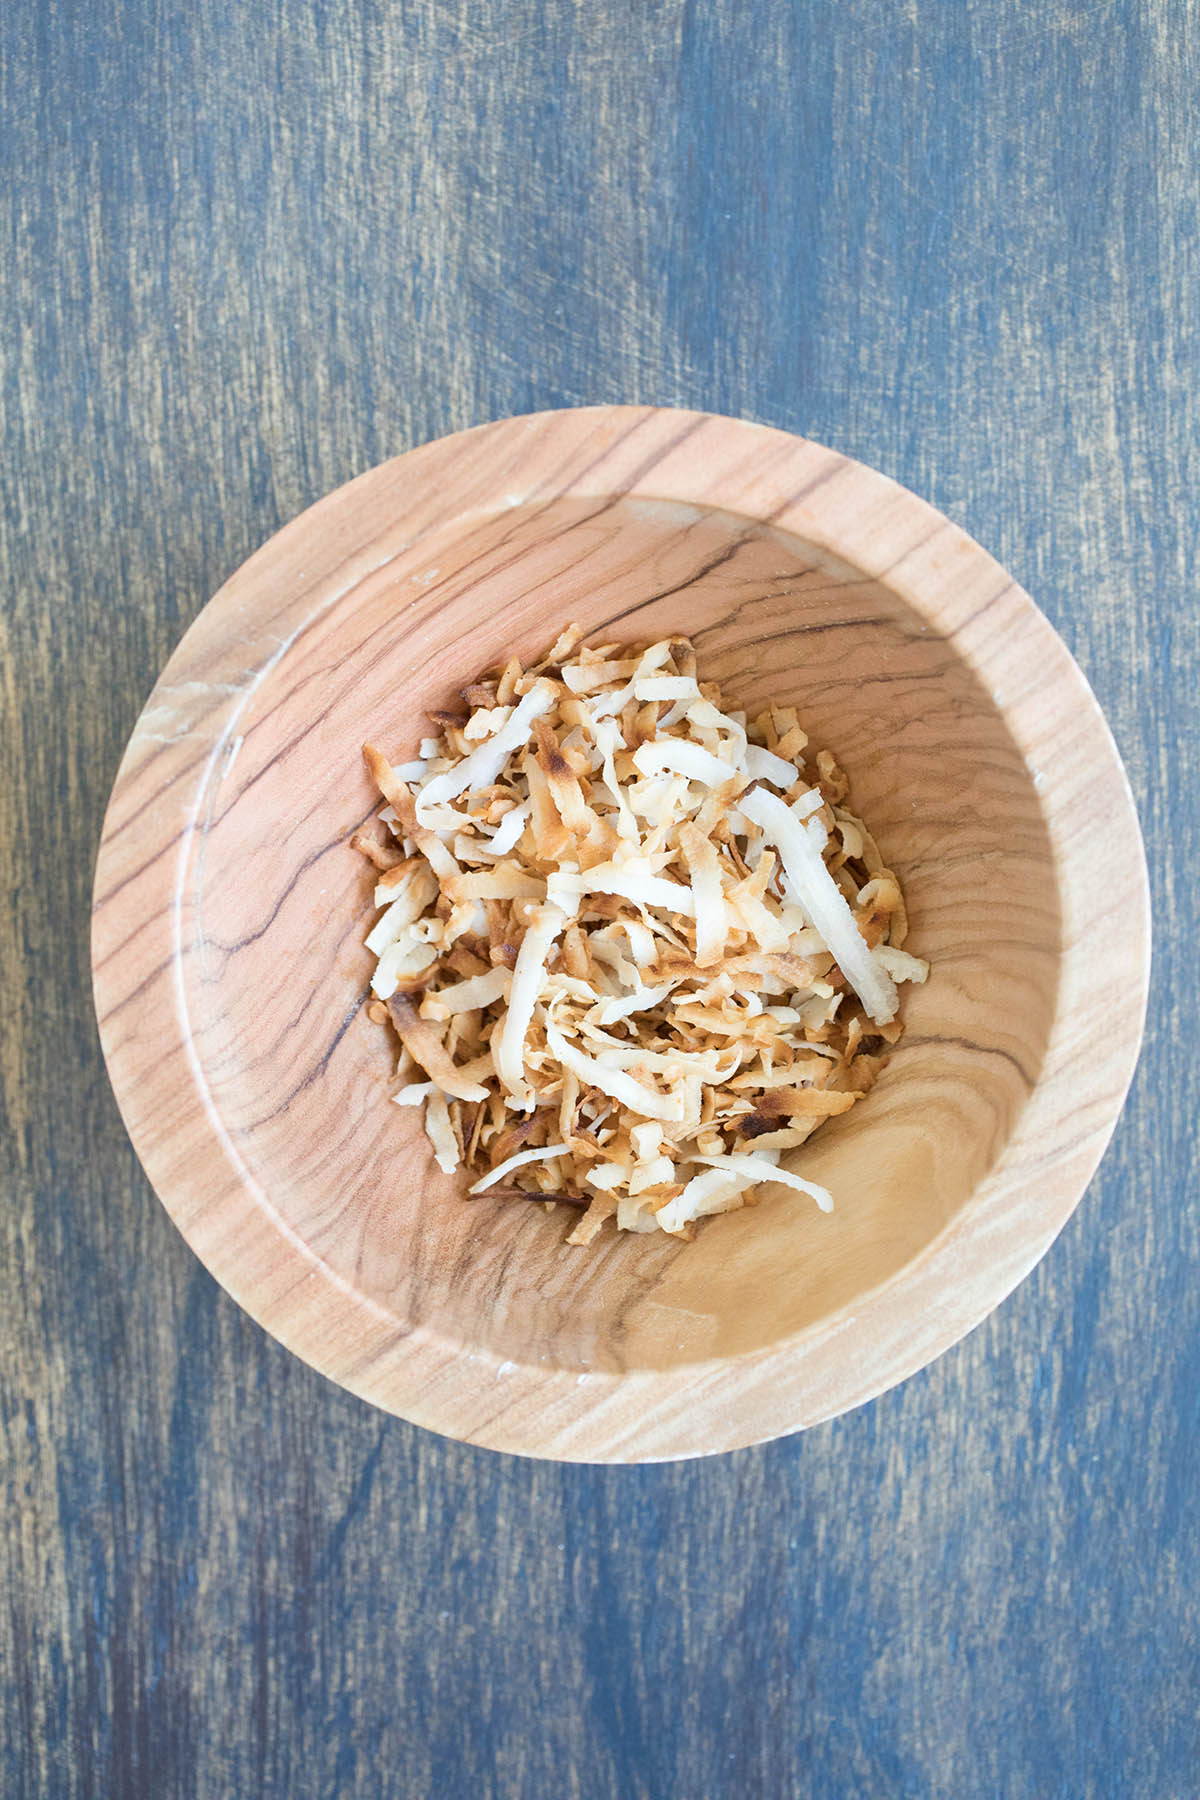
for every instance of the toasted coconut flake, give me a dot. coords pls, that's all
(642, 946)
(787, 1137)
(562, 781)
(414, 1094)
(600, 1208)
(575, 958)
(568, 1110)
(901, 966)
(665, 687)
(515, 1137)
(675, 756)
(762, 1168)
(440, 1133)
(821, 898)
(704, 866)
(713, 1191)
(394, 879)
(465, 962)
(502, 883)
(833, 782)
(791, 742)
(551, 839)
(384, 856)
(764, 765)
(584, 916)
(485, 722)
(562, 646)
(404, 965)
(545, 1153)
(588, 678)
(400, 800)
(644, 1101)
(425, 1047)
(384, 776)
(467, 996)
(639, 999)
(508, 833)
(815, 1102)
(528, 975)
(652, 1177)
(416, 892)
(630, 883)
(807, 804)
(607, 1176)
(482, 766)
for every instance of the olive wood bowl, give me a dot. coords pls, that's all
(229, 918)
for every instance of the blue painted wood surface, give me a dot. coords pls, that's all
(250, 249)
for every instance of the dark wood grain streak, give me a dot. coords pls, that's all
(980, 1050)
(708, 567)
(252, 251)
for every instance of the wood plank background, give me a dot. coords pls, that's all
(250, 248)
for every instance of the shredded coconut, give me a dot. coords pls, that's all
(633, 945)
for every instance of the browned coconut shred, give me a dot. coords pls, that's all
(633, 947)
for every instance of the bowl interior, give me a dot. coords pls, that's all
(275, 906)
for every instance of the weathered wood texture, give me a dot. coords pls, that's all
(248, 252)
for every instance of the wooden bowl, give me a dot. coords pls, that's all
(229, 917)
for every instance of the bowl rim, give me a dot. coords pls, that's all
(185, 730)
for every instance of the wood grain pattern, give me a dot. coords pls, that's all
(229, 915)
(253, 251)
